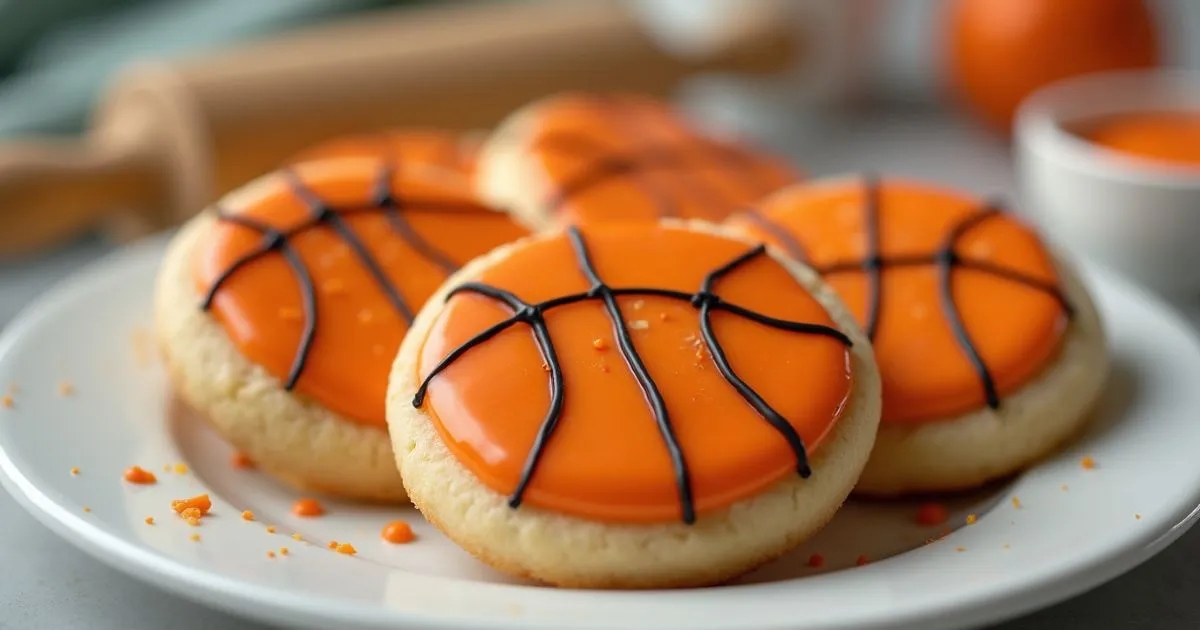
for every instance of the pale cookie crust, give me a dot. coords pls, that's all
(576, 552)
(972, 449)
(289, 436)
(506, 177)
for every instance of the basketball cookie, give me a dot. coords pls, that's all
(405, 148)
(990, 348)
(582, 159)
(280, 310)
(632, 406)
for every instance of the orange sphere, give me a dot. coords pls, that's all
(1000, 51)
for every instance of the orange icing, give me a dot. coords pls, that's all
(358, 329)
(607, 460)
(1165, 137)
(625, 158)
(139, 475)
(454, 152)
(926, 373)
(200, 502)
(397, 533)
(307, 508)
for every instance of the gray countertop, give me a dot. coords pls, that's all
(49, 584)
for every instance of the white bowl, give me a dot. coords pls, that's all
(1136, 216)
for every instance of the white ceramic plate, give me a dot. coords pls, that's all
(1051, 533)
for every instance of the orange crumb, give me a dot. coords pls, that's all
(1088, 463)
(87, 509)
(297, 537)
(65, 388)
(247, 515)
(1063, 487)
(333, 286)
(604, 368)
(347, 549)
(1006, 545)
(960, 549)
(600, 344)
(932, 514)
(862, 561)
(166, 468)
(240, 460)
(191, 515)
(290, 313)
(74, 471)
(816, 561)
(1016, 502)
(333, 544)
(270, 554)
(664, 316)
(139, 475)
(194, 537)
(270, 529)
(181, 469)
(149, 520)
(365, 316)
(971, 518)
(307, 508)
(7, 401)
(1137, 516)
(398, 533)
(201, 503)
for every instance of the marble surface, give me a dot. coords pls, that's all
(50, 584)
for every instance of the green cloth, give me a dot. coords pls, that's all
(62, 53)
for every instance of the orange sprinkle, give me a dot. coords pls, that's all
(195, 537)
(347, 549)
(333, 544)
(664, 316)
(333, 286)
(1088, 463)
(139, 475)
(971, 518)
(960, 549)
(240, 460)
(192, 516)
(270, 529)
(7, 401)
(270, 554)
(398, 533)
(283, 551)
(1016, 502)
(87, 509)
(297, 537)
(247, 515)
(1063, 487)
(600, 344)
(201, 503)
(862, 561)
(290, 313)
(181, 469)
(932, 514)
(149, 520)
(816, 561)
(75, 471)
(65, 388)
(307, 508)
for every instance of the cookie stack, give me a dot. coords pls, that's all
(601, 347)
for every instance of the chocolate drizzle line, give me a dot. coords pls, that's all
(603, 164)
(704, 300)
(322, 215)
(946, 259)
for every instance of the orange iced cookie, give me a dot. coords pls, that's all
(281, 308)
(648, 388)
(989, 347)
(586, 159)
(448, 151)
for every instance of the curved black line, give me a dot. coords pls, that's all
(873, 263)
(1050, 289)
(308, 297)
(553, 414)
(391, 205)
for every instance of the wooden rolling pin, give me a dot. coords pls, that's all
(169, 138)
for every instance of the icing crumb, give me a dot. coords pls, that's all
(191, 516)
(397, 533)
(1063, 487)
(932, 514)
(1006, 547)
(240, 460)
(194, 537)
(1016, 503)
(1088, 463)
(816, 561)
(247, 515)
(1137, 517)
(960, 549)
(600, 344)
(271, 554)
(75, 471)
(604, 368)
(333, 544)
(346, 548)
(87, 509)
(181, 469)
(201, 503)
(7, 401)
(65, 388)
(297, 537)
(290, 313)
(149, 520)
(971, 518)
(307, 508)
(139, 475)
(270, 529)
(638, 304)
(862, 561)
(664, 316)
(639, 324)
(283, 551)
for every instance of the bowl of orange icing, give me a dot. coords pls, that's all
(1109, 167)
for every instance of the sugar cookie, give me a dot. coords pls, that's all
(990, 348)
(632, 406)
(581, 159)
(280, 309)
